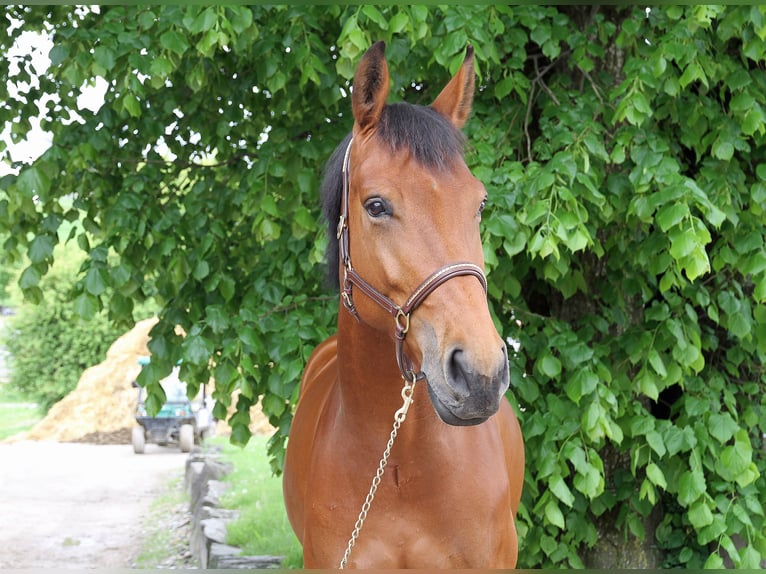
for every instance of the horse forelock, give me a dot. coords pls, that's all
(431, 138)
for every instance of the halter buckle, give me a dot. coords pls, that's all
(341, 225)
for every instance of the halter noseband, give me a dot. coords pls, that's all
(401, 313)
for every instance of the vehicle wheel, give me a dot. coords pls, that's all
(138, 437)
(186, 438)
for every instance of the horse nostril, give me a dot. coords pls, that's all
(459, 373)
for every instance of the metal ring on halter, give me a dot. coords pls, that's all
(402, 327)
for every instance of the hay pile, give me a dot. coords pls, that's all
(104, 402)
(101, 409)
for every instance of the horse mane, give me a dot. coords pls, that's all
(431, 138)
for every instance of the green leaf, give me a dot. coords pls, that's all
(647, 492)
(201, 270)
(657, 363)
(582, 383)
(154, 401)
(30, 277)
(504, 87)
(554, 515)
(217, 319)
(398, 22)
(741, 102)
(560, 489)
(700, 515)
(227, 287)
(550, 366)
(131, 104)
(714, 562)
(671, 214)
(696, 264)
(739, 324)
(374, 14)
(86, 305)
(41, 248)
(722, 426)
(691, 486)
(541, 34)
(96, 281)
(58, 54)
(723, 150)
(590, 481)
(161, 67)
(655, 474)
(656, 442)
(204, 22)
(735, 460)
(104, 57)
(174, 41)
(692, 72)
(146, 19)
(750, 558)
(197, 349)
(241, 19)
(592, 421)
(682, 243)
(33, 181)
(273, 405)
(647, 384)
(276, 82)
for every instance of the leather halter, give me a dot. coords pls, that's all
(401, 313)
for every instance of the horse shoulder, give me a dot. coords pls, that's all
(513, 442)
(317, 382)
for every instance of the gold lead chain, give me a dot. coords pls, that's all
(399, 416)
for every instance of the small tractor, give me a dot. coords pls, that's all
(180, 421)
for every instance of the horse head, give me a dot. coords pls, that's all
(413, 207)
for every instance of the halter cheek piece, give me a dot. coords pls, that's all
(401, 313)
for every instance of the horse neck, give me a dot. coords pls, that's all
(370, 382)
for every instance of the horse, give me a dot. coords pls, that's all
(404, 212)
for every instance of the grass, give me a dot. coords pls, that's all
(262, 526)
(166, 540)
(16, 414)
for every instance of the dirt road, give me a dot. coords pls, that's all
(66, 505)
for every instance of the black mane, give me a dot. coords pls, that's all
(431, 138)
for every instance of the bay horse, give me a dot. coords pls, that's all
(406, 210)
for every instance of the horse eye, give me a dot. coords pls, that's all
(482, 206)
(376, 207)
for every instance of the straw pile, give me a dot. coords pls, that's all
(102, 406)
(101, 409)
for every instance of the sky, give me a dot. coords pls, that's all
(38, 46)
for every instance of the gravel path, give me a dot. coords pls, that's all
(68, 505)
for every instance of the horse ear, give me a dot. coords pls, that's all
(370, 88)
(456, 98)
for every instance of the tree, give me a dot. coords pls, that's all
(623, 151)
(49, 344)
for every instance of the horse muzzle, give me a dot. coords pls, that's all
(464, 394)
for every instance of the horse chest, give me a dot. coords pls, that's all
(414, 510)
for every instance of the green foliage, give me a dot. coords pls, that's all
(629, 243)
(6, 276)
(623, 152)
(49, 344)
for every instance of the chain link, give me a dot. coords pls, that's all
(399, 416)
